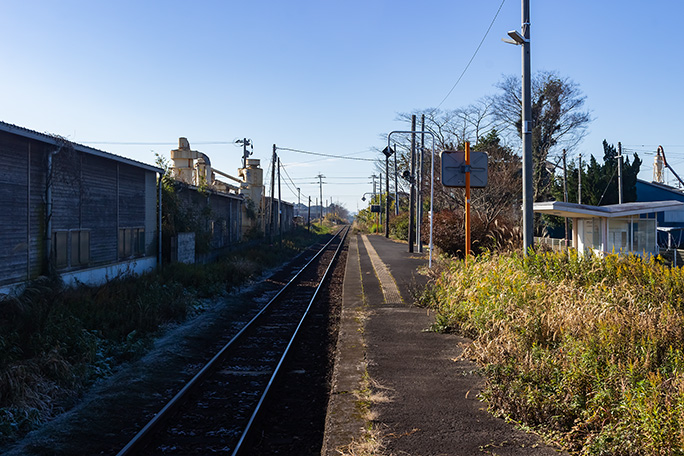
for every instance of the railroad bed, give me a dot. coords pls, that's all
(216, 410)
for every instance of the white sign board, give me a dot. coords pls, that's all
(454, 169)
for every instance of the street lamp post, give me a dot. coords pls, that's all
(528, 193)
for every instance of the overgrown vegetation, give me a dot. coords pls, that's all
(55, 341)
(587, 350)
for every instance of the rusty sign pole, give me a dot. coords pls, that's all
(467, 201)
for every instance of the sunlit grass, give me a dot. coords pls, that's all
(589, 350)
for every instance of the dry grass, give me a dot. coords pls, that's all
(55, 341)
(588, 350)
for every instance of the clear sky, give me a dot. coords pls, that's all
(131, 77)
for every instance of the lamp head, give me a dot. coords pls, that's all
(517, 38)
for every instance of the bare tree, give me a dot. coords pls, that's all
(559, 121)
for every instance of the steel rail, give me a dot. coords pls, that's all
(139, 440)
(276, 371)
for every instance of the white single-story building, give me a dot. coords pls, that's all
(615, 228)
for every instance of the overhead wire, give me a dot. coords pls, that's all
(342, 157)
(474, 54)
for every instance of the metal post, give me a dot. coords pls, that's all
(528, 192)
(412, 178)
(419, 189)
(308, 218)
(396, 183)
(387, 193)
(432, 185)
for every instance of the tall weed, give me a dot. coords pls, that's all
(54, 341)
(589, 350)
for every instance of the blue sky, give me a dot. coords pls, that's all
(324, 76)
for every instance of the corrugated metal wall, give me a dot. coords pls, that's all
(84, 195)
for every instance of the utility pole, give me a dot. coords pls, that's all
(320, 183)
(299, 200)
(565, 193)
(528, 192)
(619, 172)
(387, 193)
(308, 218)
(396, 183)
(380, 193)
(526, 127)
(579, 181)
(419, 189)
(412, 175)
(272, 221)
(245, 142)
(280, 211)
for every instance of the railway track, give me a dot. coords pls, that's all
(216, 410)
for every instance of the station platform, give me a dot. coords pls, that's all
(399, 388)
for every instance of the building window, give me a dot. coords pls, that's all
(131, 242)
(71, 248)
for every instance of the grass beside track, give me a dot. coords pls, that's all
(588, 351)
(56, 340)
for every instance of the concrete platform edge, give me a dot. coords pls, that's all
(344, 423)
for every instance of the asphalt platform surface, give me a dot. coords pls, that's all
(425, 398)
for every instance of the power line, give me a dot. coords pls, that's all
(343, 157)
(159, 143)
(474, 54)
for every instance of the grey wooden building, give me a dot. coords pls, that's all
(69, 209)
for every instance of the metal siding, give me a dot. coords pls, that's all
(66, 189)
(131, 197)
(150, 213)
(99, 208)
(39, 153)
(14, 213)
